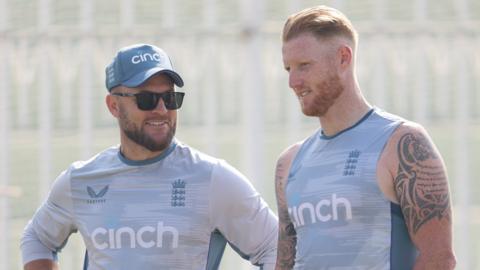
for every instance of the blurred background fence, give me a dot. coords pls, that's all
(417, 58)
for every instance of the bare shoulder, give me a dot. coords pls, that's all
(419, 177)
(410, 145)
(290, 152)
(407, 127)
(410, 142)
(285, 160)
(282, 170)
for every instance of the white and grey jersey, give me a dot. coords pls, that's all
(176, 211)
(341, 217)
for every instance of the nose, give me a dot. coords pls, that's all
(295, 81)
(160, 108)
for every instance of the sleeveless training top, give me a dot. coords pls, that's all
(341, 217)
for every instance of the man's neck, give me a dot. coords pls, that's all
(133, 151)
(344, 113)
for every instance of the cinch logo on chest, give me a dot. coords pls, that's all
(128, 237)
(324, 211)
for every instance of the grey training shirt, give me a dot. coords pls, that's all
(176, 211)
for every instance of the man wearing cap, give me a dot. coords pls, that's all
(152, 202)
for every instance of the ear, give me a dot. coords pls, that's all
(112, 105)
(345, 56)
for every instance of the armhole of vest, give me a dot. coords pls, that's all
(85, 261)
(402, 251)
(216, 249)
(295, 159)
(396, 125)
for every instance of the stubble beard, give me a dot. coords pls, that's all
(326, 94)
(138, 135)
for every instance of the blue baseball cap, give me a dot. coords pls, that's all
(135, 64)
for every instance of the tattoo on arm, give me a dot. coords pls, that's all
(421, 182)
(287, 237)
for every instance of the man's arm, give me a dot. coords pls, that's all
(421, 186)
(49, 228)
(287, 236)
(36, 255)
(241, 215)
(41, 264)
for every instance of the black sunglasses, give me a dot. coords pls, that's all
(147, 101)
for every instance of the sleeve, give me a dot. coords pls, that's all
(243, 217)
(48, 230)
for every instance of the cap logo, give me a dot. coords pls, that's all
(146, 57)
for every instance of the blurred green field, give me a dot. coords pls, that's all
(25, 155)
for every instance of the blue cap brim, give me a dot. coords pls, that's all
(140, 78)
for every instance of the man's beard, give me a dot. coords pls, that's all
(138, 135)
(329, 90)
